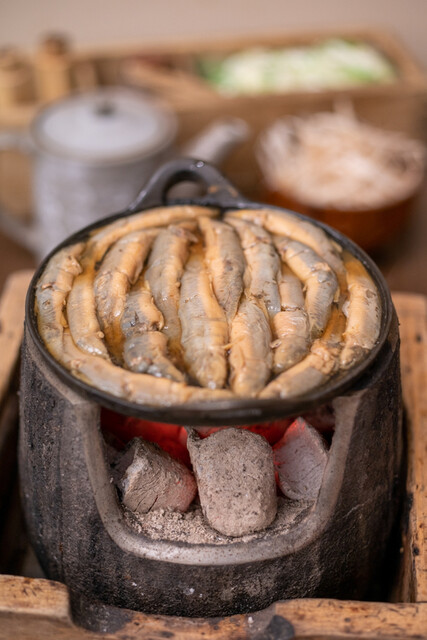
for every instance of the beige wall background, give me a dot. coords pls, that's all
(117, 22)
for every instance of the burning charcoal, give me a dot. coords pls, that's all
(235, 477)
(271, 431)
(151, 479)
(300, 458)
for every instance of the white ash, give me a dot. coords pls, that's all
(191, 527)
(234, 470)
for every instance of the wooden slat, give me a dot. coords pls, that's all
(412, 312)
(346, 620)
(29, 596)
(12, 304)
(12, 301)
(40, 608)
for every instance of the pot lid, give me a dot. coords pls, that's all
(105, 126)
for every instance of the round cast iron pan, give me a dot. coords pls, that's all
(221, 194)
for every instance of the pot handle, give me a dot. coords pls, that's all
(219, 192)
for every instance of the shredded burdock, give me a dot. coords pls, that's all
(334, 161)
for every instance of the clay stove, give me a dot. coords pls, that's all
(79, 530)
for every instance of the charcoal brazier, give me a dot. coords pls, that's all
(78, 528)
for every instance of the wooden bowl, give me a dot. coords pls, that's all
(371, 229)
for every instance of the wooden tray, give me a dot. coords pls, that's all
(36, 608)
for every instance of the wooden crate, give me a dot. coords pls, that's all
(37, 608)
(400, 105)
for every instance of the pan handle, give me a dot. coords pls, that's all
(219, 192)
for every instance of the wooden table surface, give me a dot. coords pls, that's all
(404, 264)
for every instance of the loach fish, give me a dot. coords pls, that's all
(136, 387)
(291, 327)
(226, 263)
(51, 292)
(119, 269)
(147, 353)
(145, 347)
(163, 274)
(274, 302)
(363, 311)
(320, 282)
(101, 239)
(204, 326)
(140, 313)
(285, 223)
(91, 368)
(316, 368)
(250, 357)
(85, 328)
(262, 264)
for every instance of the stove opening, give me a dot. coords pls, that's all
(217, 485)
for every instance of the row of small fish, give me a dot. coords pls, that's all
(175, 305)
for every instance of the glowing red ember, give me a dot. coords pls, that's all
(271, 431)
(172, 437)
